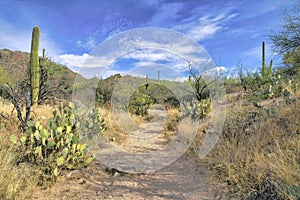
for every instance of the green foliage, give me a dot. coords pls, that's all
(140, 103)
(267, 88)
(231, 84)
(105, 88)
(291, 61)
(287, 39)
(252, 82)
(34, 65)
(64, 143)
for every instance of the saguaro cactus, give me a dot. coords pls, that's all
(264, 67)
(44, 53)
(147, 84)
(158, 75)
(34, 65)
(265, 71)
(270, 67)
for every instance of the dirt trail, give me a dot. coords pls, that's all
(186, 178)
(147, 138)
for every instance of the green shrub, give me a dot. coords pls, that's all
(140, 103)
(64, 143)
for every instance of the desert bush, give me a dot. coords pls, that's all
(140, 103)
(258, 154)
(64, 143)
(172, 121)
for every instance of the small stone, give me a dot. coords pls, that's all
(81, 181)
(117, 174)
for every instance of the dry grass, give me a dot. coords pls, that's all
(258, 155)
(40, 112)
(17, 181)
(173, 117)
(5, 106)
(114, 132)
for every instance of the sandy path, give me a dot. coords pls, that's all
(186, 178)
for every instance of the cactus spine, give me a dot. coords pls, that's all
(34, 65)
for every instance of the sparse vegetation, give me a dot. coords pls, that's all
(258, 153)
(257, 156)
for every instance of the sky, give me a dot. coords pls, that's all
(231, 31)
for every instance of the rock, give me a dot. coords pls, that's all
(117, 174)
(81, 181)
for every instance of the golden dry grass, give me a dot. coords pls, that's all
(5, 106)
(113, 132)
(17, 181)
(40, 112)
(258, 155)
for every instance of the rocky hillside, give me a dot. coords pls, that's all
(14, 68)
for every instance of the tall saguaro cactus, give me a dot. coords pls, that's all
(158, 75)
(265, 71)
(264, 67)
(34, 65)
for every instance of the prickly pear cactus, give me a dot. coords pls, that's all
(63, 143)
(196, 109)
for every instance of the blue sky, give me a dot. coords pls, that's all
(231, 31)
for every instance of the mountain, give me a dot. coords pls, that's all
(14, 67)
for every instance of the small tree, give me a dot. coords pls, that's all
(288, 38)
(19, 98)
(196, 79)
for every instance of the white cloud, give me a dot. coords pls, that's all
(203, 31)
(151, 55)
(220, 68)
(72, 60)
(180, 79)
(15, 39)
(164, 48)
(90, 43)
(206, 26)
(84, 60)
